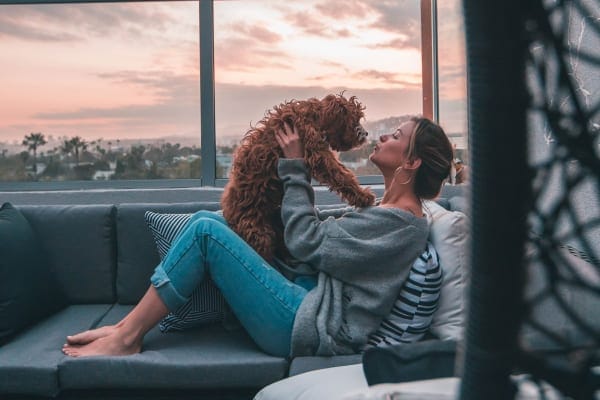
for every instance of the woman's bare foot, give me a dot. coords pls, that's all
(110, 341)
(89, 336)
(125, 337)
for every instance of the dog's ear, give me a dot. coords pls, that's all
(331, 105)
(314, 140)
(332, 115)
(337, 108)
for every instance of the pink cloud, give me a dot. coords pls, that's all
(46, 22)
(343, 9)
(388, 77)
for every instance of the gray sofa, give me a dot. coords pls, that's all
(102, 257)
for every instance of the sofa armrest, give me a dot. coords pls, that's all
(428, 359)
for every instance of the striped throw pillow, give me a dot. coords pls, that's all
(413, 310)
(207, 305)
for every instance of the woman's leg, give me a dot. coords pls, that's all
(75, 342)
(264, 301)
(216, 215)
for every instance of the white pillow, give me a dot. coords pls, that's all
(449, 234)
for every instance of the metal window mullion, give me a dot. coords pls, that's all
(426, 59)
(429, 59)
(207, 94)
(434, 62)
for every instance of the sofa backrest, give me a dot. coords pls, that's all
(80, 242)
(137, 255)
(104, 253)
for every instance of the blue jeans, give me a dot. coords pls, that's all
(263, 300)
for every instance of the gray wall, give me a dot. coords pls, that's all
(120, 196)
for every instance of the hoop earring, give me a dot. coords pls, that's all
(398, 171)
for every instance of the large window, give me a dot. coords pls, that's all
(452, 90)
(152, 93)
(267, 52)
(99, 91)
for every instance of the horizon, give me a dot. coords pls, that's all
(185, 140)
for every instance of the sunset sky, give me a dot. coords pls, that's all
(132, 69)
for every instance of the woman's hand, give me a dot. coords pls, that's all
(289, 141)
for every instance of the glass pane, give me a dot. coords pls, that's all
(99, 91)
(453, 81)
(267, 52)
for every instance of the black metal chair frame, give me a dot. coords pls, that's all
(504, 39)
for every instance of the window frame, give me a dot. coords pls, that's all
(207, 103)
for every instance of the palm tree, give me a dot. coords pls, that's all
(33, 141)
(99, 149)
(66, 148)
(77, 145)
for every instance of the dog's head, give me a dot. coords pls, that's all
(340, 122)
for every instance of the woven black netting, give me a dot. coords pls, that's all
(534, 121)
(560, 337)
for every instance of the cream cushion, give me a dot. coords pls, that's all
(449, 234)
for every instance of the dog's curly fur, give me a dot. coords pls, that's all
(251, 201)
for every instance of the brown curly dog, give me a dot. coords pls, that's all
(251, 201)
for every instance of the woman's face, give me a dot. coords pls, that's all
(391, 151)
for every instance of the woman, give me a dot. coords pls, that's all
(360, 258)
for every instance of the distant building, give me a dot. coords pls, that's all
(103, 175)
(190, 158)
(458, 140)
(224, 161)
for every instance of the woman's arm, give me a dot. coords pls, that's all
(304, 231)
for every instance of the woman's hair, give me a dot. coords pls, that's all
(430, 143)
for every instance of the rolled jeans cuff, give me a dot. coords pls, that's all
(165, 289)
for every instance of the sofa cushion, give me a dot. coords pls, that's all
(207, 304)
(81, 246)
(300, 365)
(29, 363)
(137, 254)
(28, 290)
(165, 229)
(449, 235)
(201, 359)
(324, 384)
(458, 203)
(410, 362)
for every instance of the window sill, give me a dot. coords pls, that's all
(138, 195)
